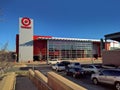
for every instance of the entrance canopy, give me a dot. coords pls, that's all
(113, 36)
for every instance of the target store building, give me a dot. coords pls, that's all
(31, 47)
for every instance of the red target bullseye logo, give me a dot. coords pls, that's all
(26, 22)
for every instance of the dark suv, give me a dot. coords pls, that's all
(65, 63)
(75, 72)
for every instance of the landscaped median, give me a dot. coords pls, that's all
(8, 82)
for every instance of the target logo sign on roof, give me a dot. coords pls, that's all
(26, 23)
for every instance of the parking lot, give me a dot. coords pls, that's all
(84, 81)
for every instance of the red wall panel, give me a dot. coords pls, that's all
(40, 47)
(98, 48)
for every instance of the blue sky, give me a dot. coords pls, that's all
(87, 19)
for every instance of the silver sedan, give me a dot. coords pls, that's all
(108, 76)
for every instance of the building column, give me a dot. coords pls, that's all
(47, 51)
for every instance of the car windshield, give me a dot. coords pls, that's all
(77, 69)
(98, 67)
(115, 73)
(77, 64)
(65, 62)
(112, 72)
(60, 65)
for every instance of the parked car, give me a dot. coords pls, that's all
(90, 69)
(66, 63)
(75, 72)
(58, 67)
(74, 65)
(108, 76)
(109, 66)
(53, 61)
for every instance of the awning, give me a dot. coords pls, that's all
(113, 36)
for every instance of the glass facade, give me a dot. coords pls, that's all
(70, 50)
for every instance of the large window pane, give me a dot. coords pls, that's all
(69, 49)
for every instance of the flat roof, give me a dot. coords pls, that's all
(68, 39)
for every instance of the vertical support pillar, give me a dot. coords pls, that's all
(47, 51)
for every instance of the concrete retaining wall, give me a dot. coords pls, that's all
(40, 76)
(53, 81)
(31, 75)
(8, 82)
(39, 80)
(57, 82)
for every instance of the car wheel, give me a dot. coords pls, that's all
(95, 81)
(117, 85)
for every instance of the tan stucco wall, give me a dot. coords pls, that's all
(53, 81)
(39, 80)
(39, 75)
(8, 82)
(111, 57)
(57, 82)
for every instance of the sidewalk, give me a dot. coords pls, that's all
(23, 83)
